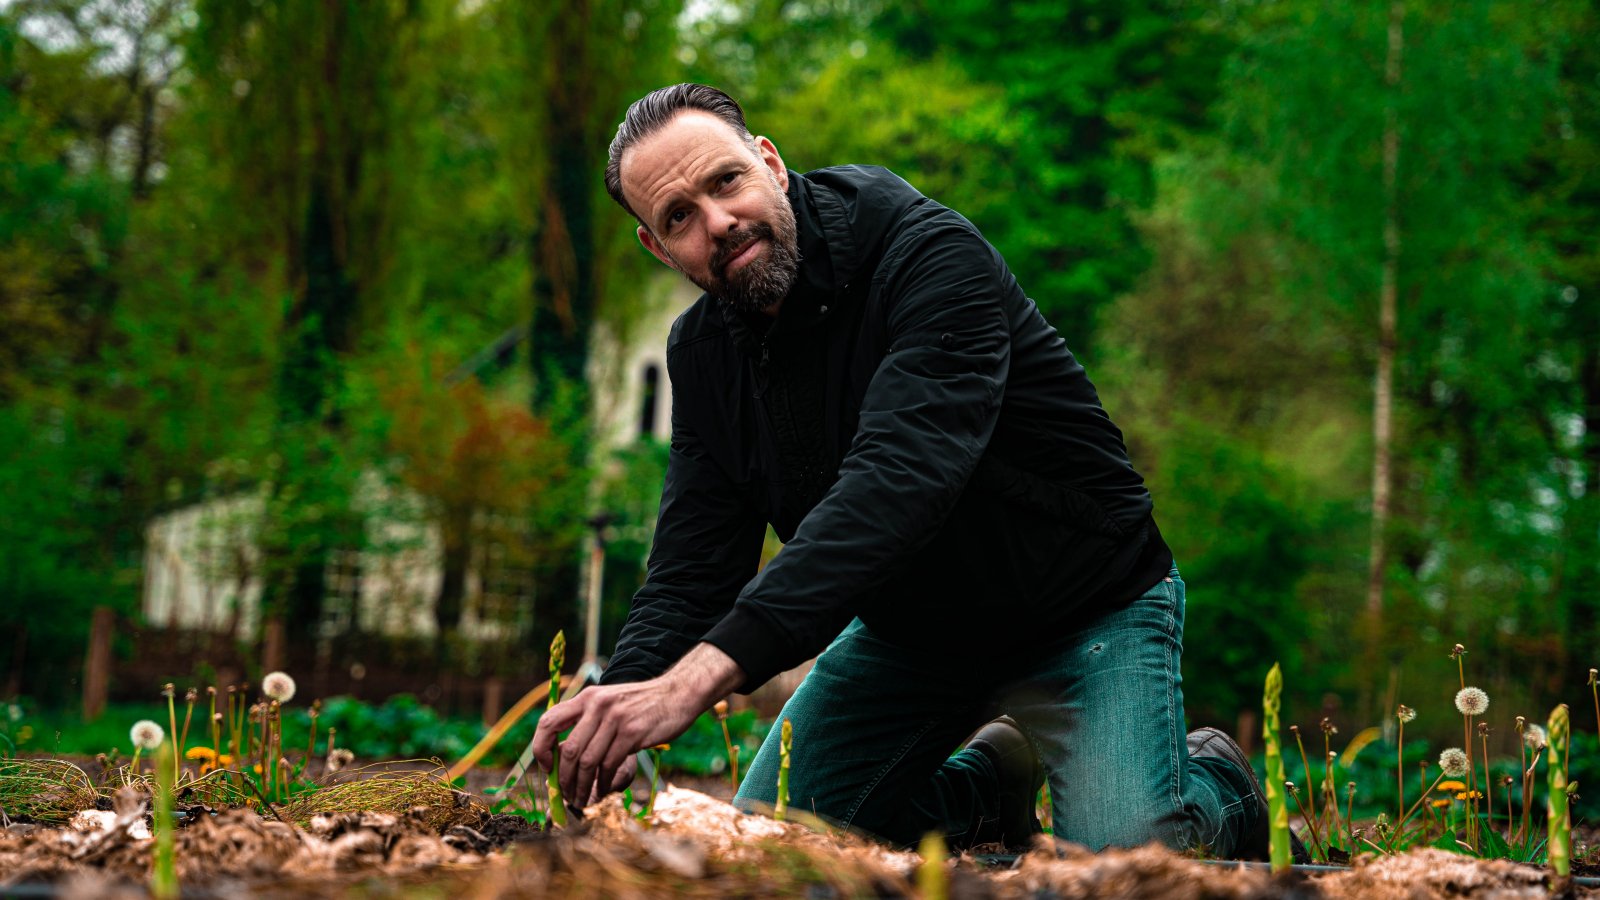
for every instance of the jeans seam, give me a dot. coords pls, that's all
(899, 755)
(1175, 740)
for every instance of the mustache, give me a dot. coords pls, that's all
(736, 242)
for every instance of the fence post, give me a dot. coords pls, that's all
(97, 663)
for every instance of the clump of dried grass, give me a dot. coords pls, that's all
(49, 791)
(389, 788)
(216, 789)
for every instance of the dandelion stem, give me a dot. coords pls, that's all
(1488, 783)
(1413, 811)
(1350, 815)
(172, 733)
(188, 713)
(1316, 836)
(1524, 830)
(216, 736)
(1305, 763)
(1472, 837)
(1400, 766)
(1594, 691)
(721, 711)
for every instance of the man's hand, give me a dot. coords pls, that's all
(611, 723)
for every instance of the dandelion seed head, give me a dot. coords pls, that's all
(1535, 737)
(279, 686)
(1405, 713)
(1472, 701)
(1457, 650)
(190, 695)
(1454, 762)
(146, 735)
(339, 758)
(1594, 677)
(167, 690)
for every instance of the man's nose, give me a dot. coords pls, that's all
(720, 221)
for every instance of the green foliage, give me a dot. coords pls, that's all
(243, 259)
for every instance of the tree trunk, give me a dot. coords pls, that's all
(1383, 387)
(97, 663)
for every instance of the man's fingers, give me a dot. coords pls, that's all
(605, 778)
(551, 724)
(582, 752)
(625, 772)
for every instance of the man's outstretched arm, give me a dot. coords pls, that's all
(610, 723)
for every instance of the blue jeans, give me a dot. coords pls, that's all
(875, 724)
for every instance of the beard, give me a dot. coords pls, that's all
(765, 280)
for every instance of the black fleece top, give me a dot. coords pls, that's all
(922, 440)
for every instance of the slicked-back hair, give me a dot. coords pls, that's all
(653, 111)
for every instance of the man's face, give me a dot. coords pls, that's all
(716, 209)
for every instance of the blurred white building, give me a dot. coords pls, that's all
(201, 567)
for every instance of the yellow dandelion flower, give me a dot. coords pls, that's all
(1449, 786)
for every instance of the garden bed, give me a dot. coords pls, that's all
(691, 845)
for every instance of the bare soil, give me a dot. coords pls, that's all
(694, 845)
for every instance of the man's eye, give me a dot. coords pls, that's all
(729, 178)
(677, 215)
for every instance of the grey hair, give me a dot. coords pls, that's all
(653, 111)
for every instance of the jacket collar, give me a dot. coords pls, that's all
(817, 284)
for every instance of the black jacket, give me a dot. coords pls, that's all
(933, 457)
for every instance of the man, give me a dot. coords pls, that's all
(963, 531)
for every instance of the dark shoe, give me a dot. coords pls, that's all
(1210, 742)
(1020, 775)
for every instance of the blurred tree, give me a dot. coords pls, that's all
(1563, 196)
(567, 72)
(80, 92)
(1099, 89)
(486, 466)
(1270, 255)
(312, 101)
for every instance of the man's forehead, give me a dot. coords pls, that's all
(692, 139)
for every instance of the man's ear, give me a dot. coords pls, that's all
(770, 158)
(649, 241)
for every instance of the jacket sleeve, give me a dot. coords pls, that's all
(707, 545)
(926, 419)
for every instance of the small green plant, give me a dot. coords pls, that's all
(164, 872)
(558, 653)
(781, 807)
(1277, 808)
(655, 775)
(932, 882)
(1560, 823)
